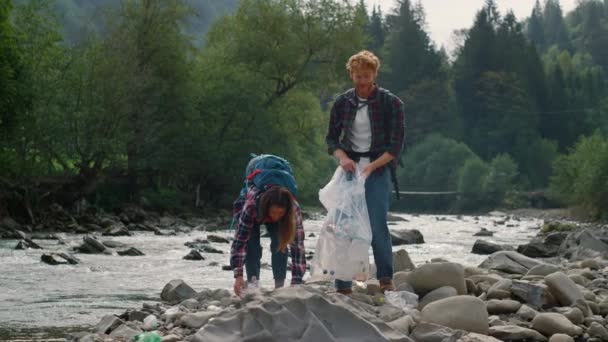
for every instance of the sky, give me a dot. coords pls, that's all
(445, 16)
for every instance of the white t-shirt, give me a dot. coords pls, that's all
(361, 133)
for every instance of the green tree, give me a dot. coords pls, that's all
(535, 29)
(554, 25)
(410, 55)
(376, 31)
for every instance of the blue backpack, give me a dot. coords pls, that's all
(264, 171)
(268, 170)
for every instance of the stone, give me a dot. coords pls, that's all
(509, 262)
(506, 306)
(402, 261)
(535, 295)
(563, 288)
(549, 323)
(107, 324)
(432, 276)
(406, 237)
(177, 291)
(483, 247)
(515, 333)
(194, 255)
(561, 338)
(460, 312)
(437, 294)
(131, 252)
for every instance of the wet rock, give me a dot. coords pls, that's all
(209, 249)
(217, 239)
(406, 237)
(27, 244)
(485, 247)
(131, 252)
(59, 259)
(402, 261)
(117, 231)
(176, 291)
(91, 246)
(484, 232)
(114, 244)
(107, 324)
(538, 250)
(194, 255)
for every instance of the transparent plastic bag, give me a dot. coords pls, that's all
(342, 250)
(402, 299)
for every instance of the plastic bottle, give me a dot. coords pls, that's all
(147, 337)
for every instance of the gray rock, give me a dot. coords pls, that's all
(91, 246)
(437, 294)
(598, 330)
(484, 247)
(209, 249)
(506, 306)
(515, 333)
(429, 332)
(171, 338)
(107, 324)
(500, 289)
(584, 239)
(535, 295)
(117, 231)
(217, 239)
(460, 312)
(543, 270)
(131, 252)
(114, 244)
(549, 323)
(27, 244)
(591, 264)
(432, 276)
(196, 320)
(126, 332)
(561, 338)
(402, 261)
(526, 312)
(59, 259)
(484, 232)
(177, 291)
(509, 262)
(194, 255)
(473, 337)
(406, 237)
(575, 315)
(538, 250)
(563, 288)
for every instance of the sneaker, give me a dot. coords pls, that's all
(345, 292)
(387, 285)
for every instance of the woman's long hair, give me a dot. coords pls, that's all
(282, 198)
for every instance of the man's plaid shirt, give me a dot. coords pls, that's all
(387, 121)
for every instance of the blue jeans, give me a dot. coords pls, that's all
(377, 194)
(254, 254)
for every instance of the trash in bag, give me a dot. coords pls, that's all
(402, 299)
(342, 250)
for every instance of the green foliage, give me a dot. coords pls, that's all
(472, 177)
(581, 177)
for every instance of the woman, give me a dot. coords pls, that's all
(280, 212)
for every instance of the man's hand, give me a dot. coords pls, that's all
(368, 170)
(347, 164)
(239, 285)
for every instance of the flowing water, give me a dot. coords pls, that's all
(39, 301)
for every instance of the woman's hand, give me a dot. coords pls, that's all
(238, 286)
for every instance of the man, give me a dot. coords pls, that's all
(366, 127)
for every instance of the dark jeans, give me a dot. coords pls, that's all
(254, 254)
(377, 194)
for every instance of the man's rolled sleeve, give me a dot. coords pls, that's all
(334, 131)
(397, 127)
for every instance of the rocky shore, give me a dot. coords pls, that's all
(553, 289)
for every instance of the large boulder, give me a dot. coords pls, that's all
(91, 246)
(429, 277)
(177, 291)
(460, 312)
(535, 295)
(538, 250)
(484, 247)
(550, 323)
(509, 262)
(59, 259)
(406, 237)
(437, 294)
(565, 290)
(585, 239)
